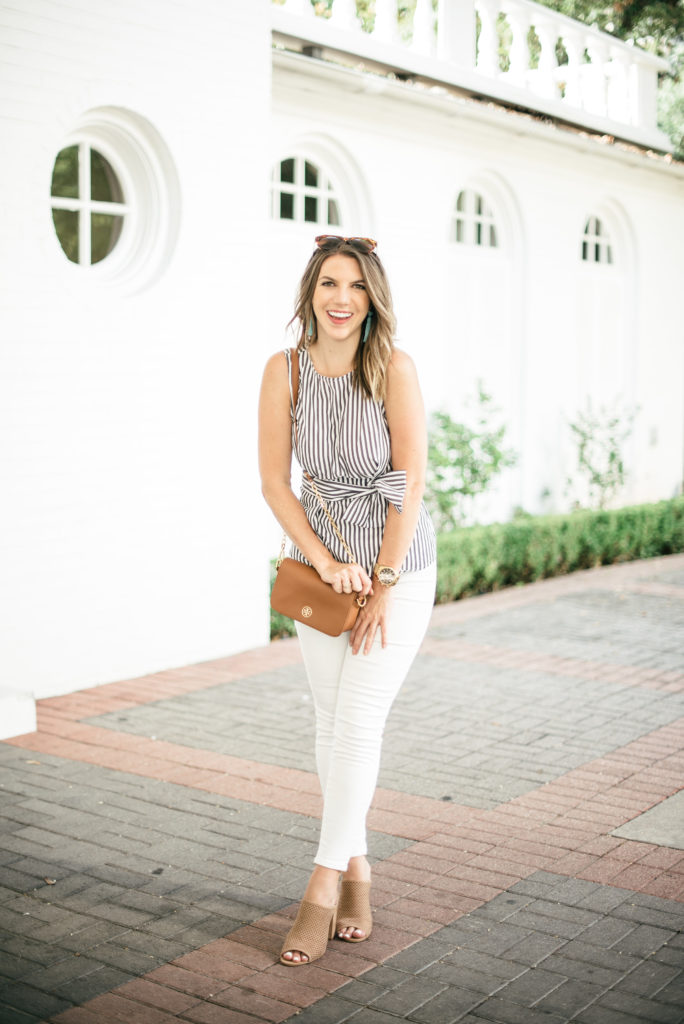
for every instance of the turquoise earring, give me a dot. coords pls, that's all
(366, 330)
(309, 332)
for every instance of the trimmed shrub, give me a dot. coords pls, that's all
(480, 559)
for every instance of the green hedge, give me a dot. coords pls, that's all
(479, 559)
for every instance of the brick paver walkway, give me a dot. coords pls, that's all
(157, 833)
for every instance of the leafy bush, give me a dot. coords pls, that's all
(463, 461)
(600, 436)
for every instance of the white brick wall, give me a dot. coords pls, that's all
(131, 523)
(133, 535)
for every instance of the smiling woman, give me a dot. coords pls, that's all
(340, 304)
(357, 429)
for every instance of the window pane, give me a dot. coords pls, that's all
(104, 184)
(333, 213)
(287, 171)
(460, 231)
(609, 254)
(478, 206)
(492, 237)
(460, 202)
(104, 234)
(286, 206)
(478, 232)
(310, 209)
(585, 251)
(65, 173)
(310, 175)
(66, 229)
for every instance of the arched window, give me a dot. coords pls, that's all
(302, 192)
(473, 222)
(88, 206)
(596, 243)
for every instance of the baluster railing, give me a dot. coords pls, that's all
(488, 43)
(519, 54)
(386, 26)
(595, 96)
(423, 40)
(617, 83)
(545, 83)
(344, 15)
(573, 41)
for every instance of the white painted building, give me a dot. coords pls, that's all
(165, 170)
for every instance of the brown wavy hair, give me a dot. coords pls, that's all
(373, 356)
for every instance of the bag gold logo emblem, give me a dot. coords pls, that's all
(307, 612)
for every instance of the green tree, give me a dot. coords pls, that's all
(600, 436)
(463, 461)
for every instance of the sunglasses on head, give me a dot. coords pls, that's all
(364, 245)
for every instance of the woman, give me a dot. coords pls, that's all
(360, 434)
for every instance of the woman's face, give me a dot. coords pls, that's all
(340, 300)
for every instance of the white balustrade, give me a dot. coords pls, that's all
(386, 26)
(602, 83)
(488, 43)
(344, 15)
(519, 54)
(423, 40)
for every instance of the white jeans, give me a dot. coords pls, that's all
(352, 696)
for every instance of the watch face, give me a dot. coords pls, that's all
(387, 576)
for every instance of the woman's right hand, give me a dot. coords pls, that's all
(346, 577)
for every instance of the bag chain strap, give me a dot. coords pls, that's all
(330, 519)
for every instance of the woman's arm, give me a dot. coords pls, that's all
(275, 460)
(408, 439)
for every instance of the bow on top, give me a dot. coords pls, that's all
(363, 504)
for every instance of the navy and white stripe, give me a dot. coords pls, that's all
(343, 442)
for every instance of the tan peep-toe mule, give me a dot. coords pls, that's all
(353, 909)
(309, 934)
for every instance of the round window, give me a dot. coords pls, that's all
(115, 199)
(88, 206)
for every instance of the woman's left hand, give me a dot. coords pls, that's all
(373, 617)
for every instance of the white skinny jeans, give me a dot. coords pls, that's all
(352, 697)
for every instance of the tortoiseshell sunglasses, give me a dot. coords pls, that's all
(364, 245)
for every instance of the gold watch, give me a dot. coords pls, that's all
(386, 575)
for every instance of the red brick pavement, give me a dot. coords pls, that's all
(461, 857)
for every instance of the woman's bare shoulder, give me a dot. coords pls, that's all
(276, 368)
(401, 366)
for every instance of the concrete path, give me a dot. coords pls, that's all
(156, 833)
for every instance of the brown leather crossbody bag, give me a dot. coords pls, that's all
(298, 591)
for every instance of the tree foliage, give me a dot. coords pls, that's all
(463, 461)
(600, 436)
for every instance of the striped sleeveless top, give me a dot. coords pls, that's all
(343, 442)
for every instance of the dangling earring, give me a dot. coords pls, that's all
(309, 331)
(366, 330)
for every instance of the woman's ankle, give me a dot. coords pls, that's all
(358, 870)
(322, 886)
